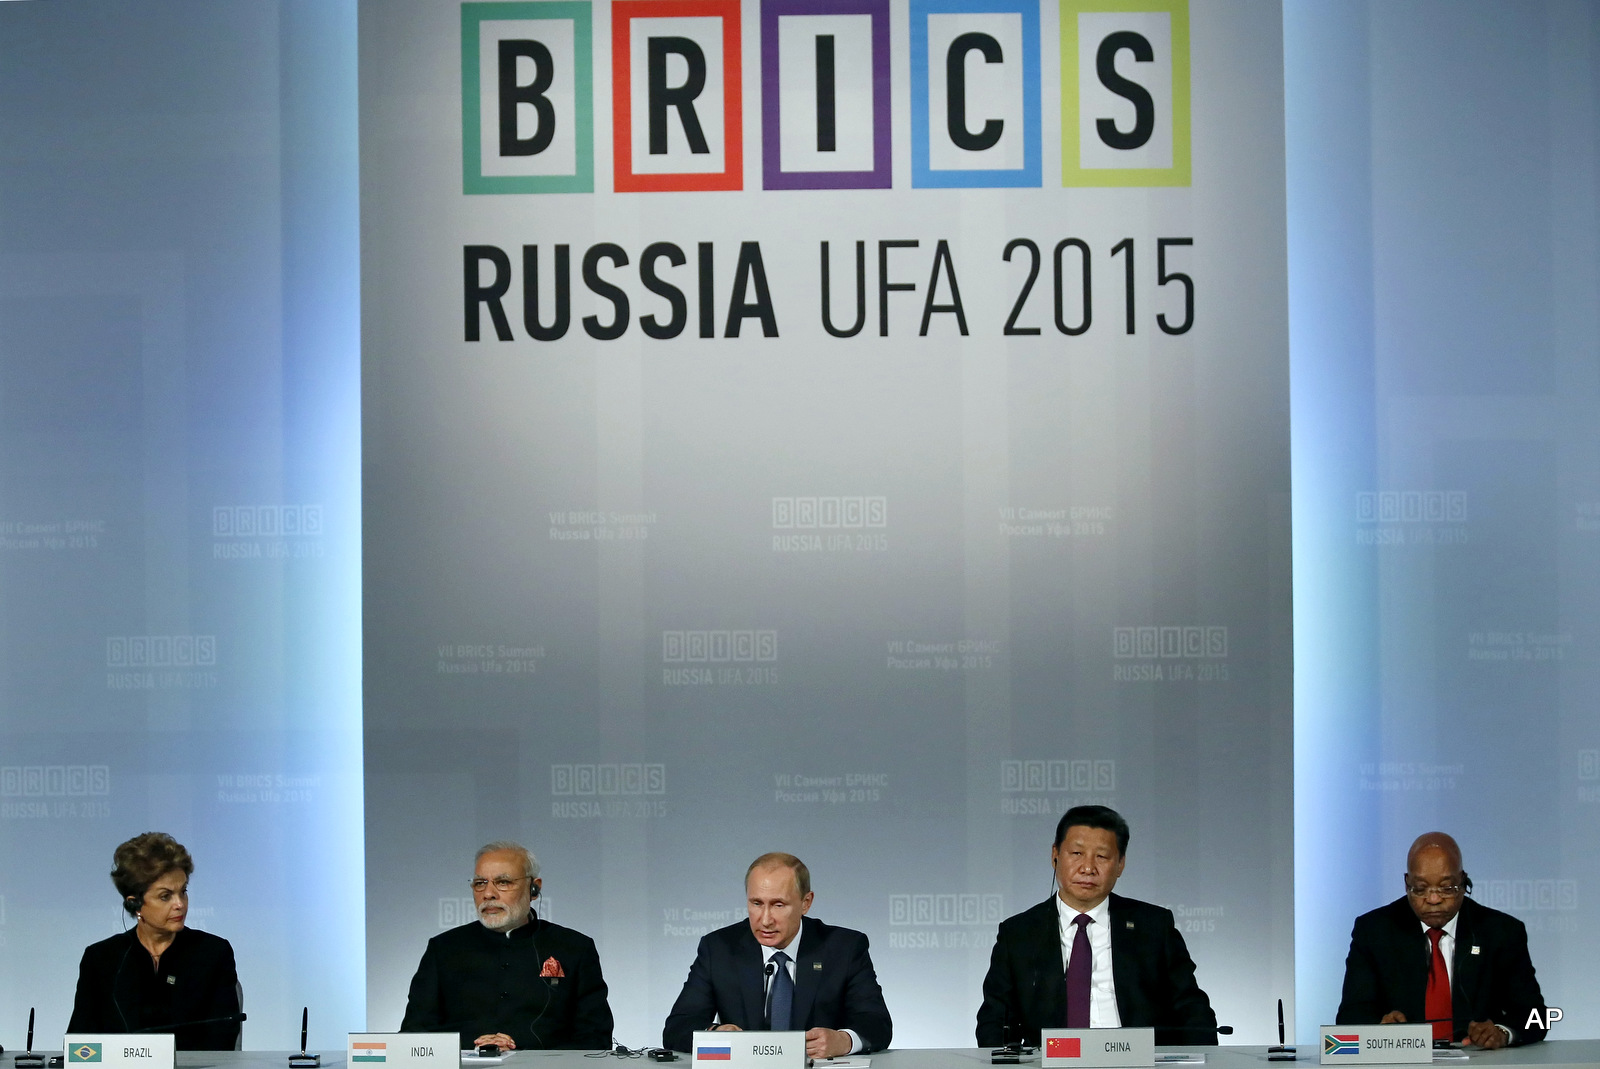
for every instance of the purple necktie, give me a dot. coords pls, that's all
(1079, 970)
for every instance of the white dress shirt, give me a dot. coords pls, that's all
(793, 950)
(1102, 986)
(1447, 948)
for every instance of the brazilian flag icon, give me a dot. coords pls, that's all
(84, 1052)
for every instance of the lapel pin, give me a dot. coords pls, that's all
(816, 966)
(1128, 924)
(1474, 950)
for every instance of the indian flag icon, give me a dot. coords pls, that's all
(369, 1052)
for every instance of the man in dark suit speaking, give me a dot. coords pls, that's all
(783, 971)
(1434, 955)
(1087, 958)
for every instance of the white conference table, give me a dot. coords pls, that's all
(1551, 1054)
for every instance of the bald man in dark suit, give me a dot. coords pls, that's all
(1434, 955)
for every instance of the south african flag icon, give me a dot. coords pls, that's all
(1332, 1044)
(84, 1052)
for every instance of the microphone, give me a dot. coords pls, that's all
(231, 1018)
(767, 983)
(27, 1059)
(116, 1002)
(304, 1060)
(533, 1025)
(1280, 1053)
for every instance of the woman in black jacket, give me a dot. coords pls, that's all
(161, 975)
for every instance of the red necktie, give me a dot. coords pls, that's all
(1079, 971)
(1437, 1002)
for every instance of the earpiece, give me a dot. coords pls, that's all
(535, 892)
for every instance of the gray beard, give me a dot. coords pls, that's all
(501, 922)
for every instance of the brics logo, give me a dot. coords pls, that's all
(266, 521)
(719, 647)
(829, 512)
(529, 125)
(161, 651)
(608, 779)
(1080, 776)
(946, 910)
(1169, 643)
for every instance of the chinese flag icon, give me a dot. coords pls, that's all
(1063, 1048)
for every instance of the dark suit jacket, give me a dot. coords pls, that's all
(834, 986)
(476, 981)
(119, 991)
(1026, 988)
(1387, 969)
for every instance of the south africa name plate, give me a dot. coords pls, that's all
(1376, 1044)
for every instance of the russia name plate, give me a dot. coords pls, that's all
(750, 1050)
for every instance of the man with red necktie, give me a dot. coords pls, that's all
(1087, 958)
(1436, 956)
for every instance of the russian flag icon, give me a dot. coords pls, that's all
(714, 1054)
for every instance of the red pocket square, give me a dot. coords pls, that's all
(552, 967)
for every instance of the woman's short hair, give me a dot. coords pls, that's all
(143, 860)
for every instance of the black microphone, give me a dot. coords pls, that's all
(533, 938)
(26, 1059)
(231, 1018)
(116, 1002)
(767, 972)
(1280, 1053)
(304, 1060)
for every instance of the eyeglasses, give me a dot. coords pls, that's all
(501, 883)
(1450, 891)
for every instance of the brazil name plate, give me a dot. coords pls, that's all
(147, 1050)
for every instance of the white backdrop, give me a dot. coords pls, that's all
(891, 601)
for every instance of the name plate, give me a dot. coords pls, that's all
(405, 1050)
(1096, 1047)
(750, 1050)
(151, 1050)
(1377, 1044)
